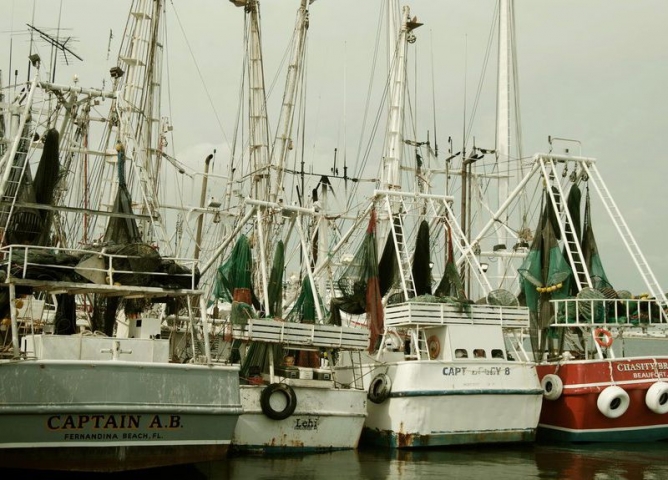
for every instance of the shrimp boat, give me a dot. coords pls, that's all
(580, 323)
(594, 392)
(87, 378)
(582, 327)
(442, 369)
(275, 327)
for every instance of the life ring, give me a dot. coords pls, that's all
(553, 386)
(380, 388)
(656, 398)
(434, 347)
(603, 337)
(613, 402)
(281, 389)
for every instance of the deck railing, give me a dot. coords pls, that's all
(640, 312)
(18, 263)
(409, 314)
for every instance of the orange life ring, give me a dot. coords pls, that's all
(603, 337)
(434, 346)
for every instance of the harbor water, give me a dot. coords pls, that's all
(633, 461)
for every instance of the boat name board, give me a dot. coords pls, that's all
(310, 423)
(644, 369)
(492, 371)
(112, 426)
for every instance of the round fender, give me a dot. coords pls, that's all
(613, 402)
(656, 398)
(603, 337)
(434, 345)
(278, 390)
(553, 386)
(380, 388)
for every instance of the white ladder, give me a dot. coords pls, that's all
(419, 339)
(15, 160)
(356, 362)
(568, 233)
(403, 259)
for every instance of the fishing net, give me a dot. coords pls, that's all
(451, 284)
(46, 178)
(388, 268)
(133, 264)
(592, 257)
(544, 275)
(304, 311)
(503, 298)
(275, 288)
(235, 272)
(360, 286)
(421, 270)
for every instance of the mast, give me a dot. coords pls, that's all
(258, 122)
(503, 128)
(259, 145)
(507, 104)
(390, 180)
(138, 107)
(283, 141)
(394, 139)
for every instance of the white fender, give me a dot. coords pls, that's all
(613, 402)
(553, 386)
(656, 398)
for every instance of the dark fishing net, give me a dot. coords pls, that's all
(451, 284)
(591, 254)
(421, 269)
(46, 178)
(134, 264)
(103, 318)
(544, 275)
(360, 285)
(122, 230)
(388, 268)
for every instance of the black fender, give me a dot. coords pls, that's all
(278, 389)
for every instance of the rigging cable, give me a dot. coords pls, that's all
(199, 73)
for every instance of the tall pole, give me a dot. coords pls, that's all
(202, 199)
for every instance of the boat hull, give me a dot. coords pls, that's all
(575, 415)
(114, 415)
(434, 404)
(325, 419)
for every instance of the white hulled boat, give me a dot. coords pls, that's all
(291, 400)
(87, 380)
(444, 370)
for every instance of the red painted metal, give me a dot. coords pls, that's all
(584, 380)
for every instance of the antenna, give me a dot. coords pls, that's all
(111, 36)
(58, 45)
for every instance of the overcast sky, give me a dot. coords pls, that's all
(591, 70)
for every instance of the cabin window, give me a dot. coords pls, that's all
(479, 353)
(496, 353)
(461, 353)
